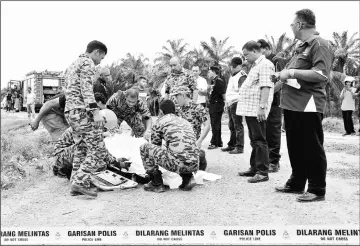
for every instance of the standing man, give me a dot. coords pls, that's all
(129, 107)
(236, 143)
(30, 103)
(179, 77)
(196, 115)
(102, 82)
(8, 101)
(303, 100)
(201, 86)
(254, 103)
(180, 154)
(273, 122)
(82, 114)
(216, 106)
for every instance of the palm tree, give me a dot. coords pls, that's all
(281, 44)
(132, 67)
(200, 58)
(217, 52)
(346, 51)
(177, 49)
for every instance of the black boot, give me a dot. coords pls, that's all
(156, 184)
(203, 162)
(188, 181)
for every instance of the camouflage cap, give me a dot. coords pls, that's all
(180, 90)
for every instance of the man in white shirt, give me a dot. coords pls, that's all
(236, 143)
(201, 86)
(30, 103)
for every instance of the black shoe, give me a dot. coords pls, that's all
(188, 182)
(212, 147)
(76, 188)
(228, 148)
(258, 178)
(236, 151)
(310, 197)
(273, 168)
(288, 189)
(247, 174)
(155, 188)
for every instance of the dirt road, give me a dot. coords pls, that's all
(229, 201)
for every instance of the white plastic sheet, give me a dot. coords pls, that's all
(123, 145)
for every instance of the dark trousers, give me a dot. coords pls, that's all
(273, 134)
(215, 120)
(305, 139)
(259, 159)
(236, 128)
(348, 122)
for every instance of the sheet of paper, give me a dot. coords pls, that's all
(293, 83)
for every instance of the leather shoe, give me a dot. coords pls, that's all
(288, 189)
(309, 197)
(228, 148)
(212, 147)
(273, 168)
(236, 151)
(258, 178)
(247, 174)
(76, 189)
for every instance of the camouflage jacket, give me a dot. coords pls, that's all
(117, 103)
(179, 137)
(79, 79)
(196, 115)
(67, 141)
(184, 78)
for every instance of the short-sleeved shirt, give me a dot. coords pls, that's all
(182, 78)
(315, 54)
(348, 102)
(117, 103)
(196, 115)
(250, 91)
(55, 121)
(201, 85)
(30, 98)
(179, 138)
(216, 100)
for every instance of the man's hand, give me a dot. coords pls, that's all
(284, 75)
(34, 125)
(198, 143)
(99, 120)
(122, 163)
(261, 114)
(147, 135)
(275, 77)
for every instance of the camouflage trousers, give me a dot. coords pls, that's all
(153, 156)
(136, 123)
(89, 138)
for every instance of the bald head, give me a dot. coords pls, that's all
(175, 64)
(105, 74)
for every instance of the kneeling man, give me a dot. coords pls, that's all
(180, 155)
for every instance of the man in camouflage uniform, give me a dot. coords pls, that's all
(180, 154)
(127, 106)
(179, 77)
(82, 114)
(196, 114)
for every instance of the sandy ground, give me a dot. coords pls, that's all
(230, 201)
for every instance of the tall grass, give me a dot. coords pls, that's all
(21, 152)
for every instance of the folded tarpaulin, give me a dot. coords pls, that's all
(123, 145)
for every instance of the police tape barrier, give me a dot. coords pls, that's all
(269, 235)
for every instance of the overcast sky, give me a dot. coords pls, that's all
(51, 35)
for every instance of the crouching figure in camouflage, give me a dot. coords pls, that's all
(129, 107)
(180, 155)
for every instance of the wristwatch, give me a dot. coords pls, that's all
(262, 106)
